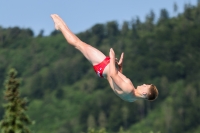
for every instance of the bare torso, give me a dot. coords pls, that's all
(121, 85)
(125, 95)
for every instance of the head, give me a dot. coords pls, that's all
(148, 92)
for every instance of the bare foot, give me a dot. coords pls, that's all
(57, 21)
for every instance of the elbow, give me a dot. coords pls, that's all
(113, 74)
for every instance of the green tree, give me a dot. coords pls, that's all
(15, 120)
(125, 28)
(112, 28)
(175, 7)
(149, 22)
(97, 131)
(164, 15)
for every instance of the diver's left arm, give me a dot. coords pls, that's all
(120, 80)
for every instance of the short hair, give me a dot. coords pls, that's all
(153, 93)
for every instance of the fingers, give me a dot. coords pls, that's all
(121, 58)
(112, 53)
(111, 50)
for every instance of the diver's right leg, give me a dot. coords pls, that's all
(92, 54)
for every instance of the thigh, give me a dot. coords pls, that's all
(93, 55)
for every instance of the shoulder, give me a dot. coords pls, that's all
(127, 80)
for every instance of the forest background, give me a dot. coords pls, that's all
(66, 96)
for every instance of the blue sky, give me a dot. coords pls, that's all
(79, 15)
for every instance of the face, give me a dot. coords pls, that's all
(143, 89)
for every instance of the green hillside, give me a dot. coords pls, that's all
(66, 96)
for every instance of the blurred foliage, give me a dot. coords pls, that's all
(67, 97)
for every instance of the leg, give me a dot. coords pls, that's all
(92, 54)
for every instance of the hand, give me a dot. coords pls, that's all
(120, 60)
(112, 68)
(120, 63)
(112, 53)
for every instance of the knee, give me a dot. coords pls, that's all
(79, 45)
(73, 41)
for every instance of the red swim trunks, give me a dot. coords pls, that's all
(100, 67)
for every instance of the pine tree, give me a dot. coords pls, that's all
(15, 120)
(164, 15)
(175, 8)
